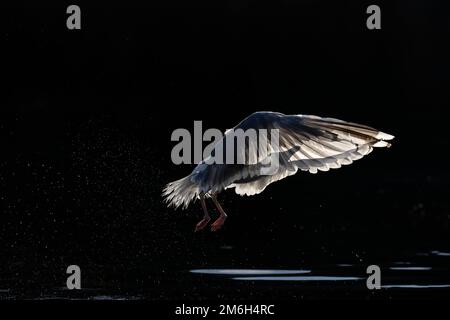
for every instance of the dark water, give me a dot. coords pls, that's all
(423, 275)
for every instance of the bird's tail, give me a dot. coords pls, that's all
(181, 192)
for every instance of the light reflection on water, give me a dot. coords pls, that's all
(97, 297)
(114, 298)
(271, 275)
(439, 253)
(410, 268)
(352, 273)
(233, 272)
(434, 253)
(415, 286)
(298, 278)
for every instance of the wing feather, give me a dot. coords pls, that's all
(307, 143)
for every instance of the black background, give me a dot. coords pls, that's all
(87, 115)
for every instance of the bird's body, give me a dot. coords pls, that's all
(308, 143)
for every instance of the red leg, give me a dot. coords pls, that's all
(204, 222)
(223, 216)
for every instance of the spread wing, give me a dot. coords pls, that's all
(308, 143)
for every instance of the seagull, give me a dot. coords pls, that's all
(305, 142)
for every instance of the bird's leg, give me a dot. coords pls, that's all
(221, 219)
(204, 222)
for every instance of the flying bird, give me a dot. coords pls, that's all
(305, 142)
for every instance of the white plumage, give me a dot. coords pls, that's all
(306, 143)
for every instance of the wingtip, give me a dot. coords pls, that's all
(382, 144)
(384, 136)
